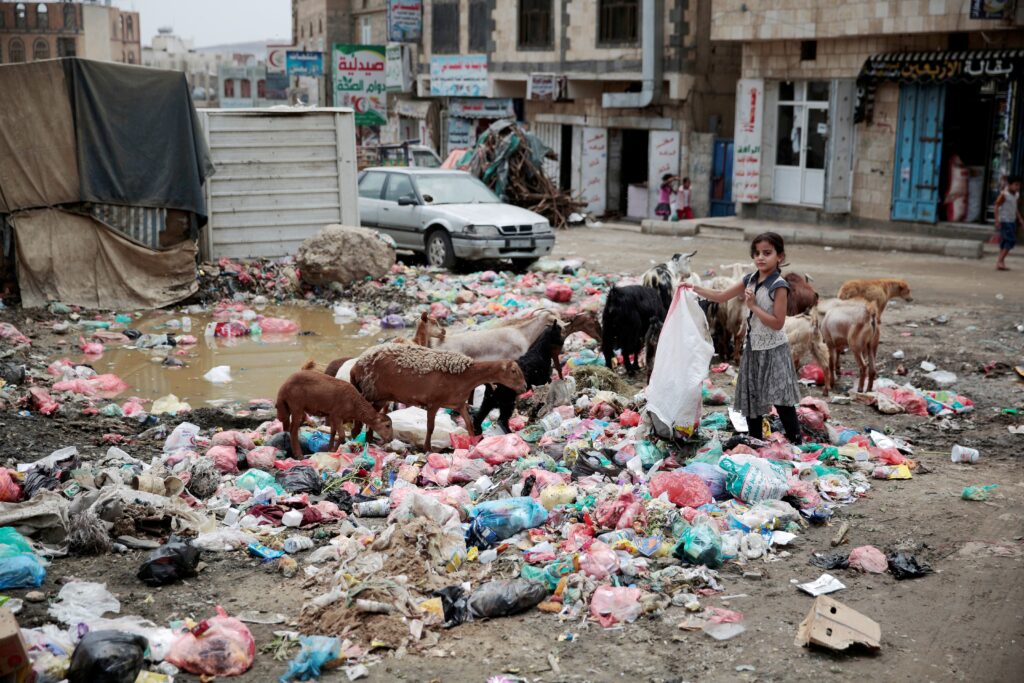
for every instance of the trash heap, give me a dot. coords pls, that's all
(510, 161)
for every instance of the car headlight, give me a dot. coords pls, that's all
(542, 227)
(482, 230)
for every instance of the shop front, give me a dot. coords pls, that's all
(469, 117)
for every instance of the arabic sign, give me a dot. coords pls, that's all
(304, 63)
(460, 133)
(746, 167)
(277, 58)
(934, 67)
(398, 70)
(593, 175)
(405, 20)
(359, 82)
(992, 9)
(459, 76)
(497, 108)
(546, 86)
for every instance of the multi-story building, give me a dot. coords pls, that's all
(169, 51)
(868, 111)
(30, 31)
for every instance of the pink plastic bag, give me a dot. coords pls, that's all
(261, 458)
(233, 438)
(225, 458)
(868, 558)
(684, 489)
(104, 386)
(613, 604)
(278, 326)
(12, 334)
(813, 372)
(500, 449)
(544, 479)
(226, 648)
(629, 418)
(42, 401)
(57, 367)
(10, 491)
(558, 292)
(804, 493)
(90, 348)
(599, 561)
(608, 513)
(910, 401)
(636, 513)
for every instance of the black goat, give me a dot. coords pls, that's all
(536, 367)
(628, 313)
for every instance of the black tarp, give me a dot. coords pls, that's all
(138, 138)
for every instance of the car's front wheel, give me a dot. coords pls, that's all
(439, 250)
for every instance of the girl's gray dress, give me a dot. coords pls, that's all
(767, 377)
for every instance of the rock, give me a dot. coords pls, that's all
(35, 596)
(344, 254)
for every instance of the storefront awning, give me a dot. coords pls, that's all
(414, 109)
(934, 68)
(493, 108)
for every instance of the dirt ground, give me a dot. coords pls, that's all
(964, 622)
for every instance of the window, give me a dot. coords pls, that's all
(70, 17)
(444, 29)
(536, 24)
(42, 17)
(16, 50)
(40, 50)
(20, 16)
(320, 25)
(479, 25)
(3, 19)
(618, 21)
(399, 186)
(365, 31)
(66, 47)
(808, 50)
(261, 89)
(229, 87)
(302, 31)
(246, 89)
(131, 57)
(130, 23)
(371, 184)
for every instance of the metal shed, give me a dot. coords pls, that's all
(283, 173)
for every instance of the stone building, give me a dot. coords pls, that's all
(169, 51)
(31, 31)
(869, 111)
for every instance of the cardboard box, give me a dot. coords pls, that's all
(13, 653)
(832, 624)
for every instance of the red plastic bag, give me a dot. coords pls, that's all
(813, 372)
(500, 449)
(614, 604)
(608, 513)
(636, 513)
(816, 404)
(629, 418)
(558, 292)
(804, 493)
(868, 558)
(225, 458)
(278, 326)
(10, 491)
(684, 489)
(910, 401)
(226, 648)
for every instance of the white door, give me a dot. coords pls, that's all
(802, 142)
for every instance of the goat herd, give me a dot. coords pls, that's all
(435, 370)
(823, 329)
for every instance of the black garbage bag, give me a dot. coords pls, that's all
(12, 373)
(300, 479)
(833, 559)
(588, 464)
(107, 657)
(341, 498)
(171, 562)
(455, 605)
(903, 565)
(40, 479)
(505, 597)
(281, 441)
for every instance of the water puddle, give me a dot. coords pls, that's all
(258, 364)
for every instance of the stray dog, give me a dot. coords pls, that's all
(880, 291)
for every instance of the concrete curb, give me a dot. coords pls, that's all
(844, 239)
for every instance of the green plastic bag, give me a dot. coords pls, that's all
(755, 481)
(978, 493)
(13, 543)
(700, 544)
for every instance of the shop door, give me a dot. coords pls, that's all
(802, 143)
(915, 190)
(721, 179)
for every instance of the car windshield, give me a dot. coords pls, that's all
(454, 188)
(426, 159)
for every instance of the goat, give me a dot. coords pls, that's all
(628, 312)
(651, 345)
(802, 296)
(853, 324)
(536, 370)
(665, 277)
(507, 341)
(430, 379)
(727, 328)
(428, 328)
(307, 392)
(804, 337)
(879, 291)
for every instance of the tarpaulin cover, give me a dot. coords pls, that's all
(77, 260)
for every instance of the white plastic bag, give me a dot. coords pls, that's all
(684, 355)
(219, 375)
(183, 438)
(82, 602)
(410, 425)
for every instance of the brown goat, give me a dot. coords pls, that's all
(428, 328)
(429, 379)
(802, 296)
(585, 322)
(804, 337)
(879, 291)
(852, 323)
(307, 392)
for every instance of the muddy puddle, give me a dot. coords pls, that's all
(258, 364)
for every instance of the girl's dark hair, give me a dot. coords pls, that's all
(772, 238)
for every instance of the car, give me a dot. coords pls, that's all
(402, 154)
(450, 217)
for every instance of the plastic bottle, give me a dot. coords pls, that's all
(372, 508)
(295, 544)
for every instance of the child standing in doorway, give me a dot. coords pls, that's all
(766, 377)
(684, 206)
(1007, 218)
(663, 210)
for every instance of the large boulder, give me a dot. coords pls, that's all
(345, 254)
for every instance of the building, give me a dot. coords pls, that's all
(30, 31)
(169, 51)
(243, 84)
(875, 111)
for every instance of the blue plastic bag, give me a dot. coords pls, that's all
(506, 518)
(316, 651)
(21, 571)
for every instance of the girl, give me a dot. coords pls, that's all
(663, 210)
(766, 377)
(684, 209)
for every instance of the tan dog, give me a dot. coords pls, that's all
(880, 291)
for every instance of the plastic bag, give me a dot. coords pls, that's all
(262, 457)
(24, 570)
(219, 375)
(254, 480)
(278, 326)
(496, 450)
(226, 648)
(315, 653)
(505, 597)
(906, 566)
(410, 425)
(977, 492)
(233, 438)
(225, 458)
(599, 561)
(614, 604)
(755, 480)
(804, 494)
(814, 373)
(183, 438)
(107, 657)
(300, 479)
(711, 474)
(169, 563)
(507, 517)
(10, 491)
(629, 418)
(223, 540)
(868, 558)
(82, 602)
(700, 544)
(683, 489)
(170, 405)
(684, 353)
